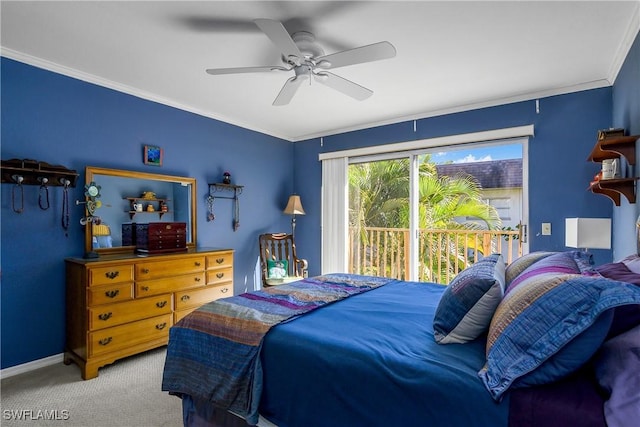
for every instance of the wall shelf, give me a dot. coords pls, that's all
(217, 191)
(219, 187)
(157, 210)
(611, 148)
(613, 188)
(33, 171)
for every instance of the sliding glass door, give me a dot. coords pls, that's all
(427, 215)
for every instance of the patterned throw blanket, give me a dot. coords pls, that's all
(214, 352)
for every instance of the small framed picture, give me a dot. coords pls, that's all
(152, 155)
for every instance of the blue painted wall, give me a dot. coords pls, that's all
(626, 114)
(49, 117)
(60, 120)
(565, 132)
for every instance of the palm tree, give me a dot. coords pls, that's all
(379, 197)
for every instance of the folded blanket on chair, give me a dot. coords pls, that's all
(214, 352)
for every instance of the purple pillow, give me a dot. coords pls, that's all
(618, 271)
(519, 265)
(626, 316)
(571, 262)
(617, 366)
(633, 263)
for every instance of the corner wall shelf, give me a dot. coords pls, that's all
(158, 211)
(613, 188)
(611, 148)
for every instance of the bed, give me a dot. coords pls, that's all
(349, 350)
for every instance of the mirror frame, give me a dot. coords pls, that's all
(90, 176)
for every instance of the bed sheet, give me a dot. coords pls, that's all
(371, 360)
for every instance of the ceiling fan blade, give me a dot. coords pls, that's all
(281, 38)
(289, 89)
(369, 53)
(343, 85)
(264, 69)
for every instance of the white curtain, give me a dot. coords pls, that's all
(334, 215)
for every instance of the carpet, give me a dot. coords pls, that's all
(126, 393)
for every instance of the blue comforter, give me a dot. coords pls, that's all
(214, 353)
(371, 360)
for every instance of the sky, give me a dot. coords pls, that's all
(466, 155)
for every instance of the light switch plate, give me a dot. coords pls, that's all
(546, 229)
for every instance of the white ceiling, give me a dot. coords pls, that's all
(451, 56)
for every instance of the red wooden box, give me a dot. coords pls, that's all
(159, 237)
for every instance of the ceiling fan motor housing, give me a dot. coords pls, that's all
(306, 42)
(303, 70)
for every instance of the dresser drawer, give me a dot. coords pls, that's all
(114, 274)
(220, 260)
(117, 292)
(157, 269)
(198, 297)
(219, 276)
(178, 315)
(124, 312)
(169, 284)
(124, 336)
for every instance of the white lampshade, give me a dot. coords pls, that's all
(588, 233)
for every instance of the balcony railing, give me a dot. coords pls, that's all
(442, 254)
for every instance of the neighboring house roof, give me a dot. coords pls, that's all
(491, 174)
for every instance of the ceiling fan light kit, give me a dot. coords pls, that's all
(306, 58)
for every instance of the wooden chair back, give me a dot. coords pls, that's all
(280, 246)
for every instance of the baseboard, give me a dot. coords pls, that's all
(31, 366)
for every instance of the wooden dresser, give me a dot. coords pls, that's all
(120, 305)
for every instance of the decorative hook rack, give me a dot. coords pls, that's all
(33, 172)
(219, 188)
(222, 188)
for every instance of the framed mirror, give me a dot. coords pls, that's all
(128, 198)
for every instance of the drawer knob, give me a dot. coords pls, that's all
(219, 275)
(145, 270)
(224, 290)
(144, 288)
(185, 298)
(161, 326)
(105, 341)
(197, 263)
(112, 294)
(161, 304)
(220, 260)
(197, 279)
(105, 316)
(112, 274)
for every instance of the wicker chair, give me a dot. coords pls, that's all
(278, 247)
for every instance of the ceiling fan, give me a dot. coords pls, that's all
(302, 54)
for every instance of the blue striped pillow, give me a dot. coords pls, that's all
(467, 305)
(536, 321)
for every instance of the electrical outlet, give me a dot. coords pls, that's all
(546, 229)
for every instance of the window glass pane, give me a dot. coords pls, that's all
(379, 218)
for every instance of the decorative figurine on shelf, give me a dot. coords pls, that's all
(164, 207)
(226, 178)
